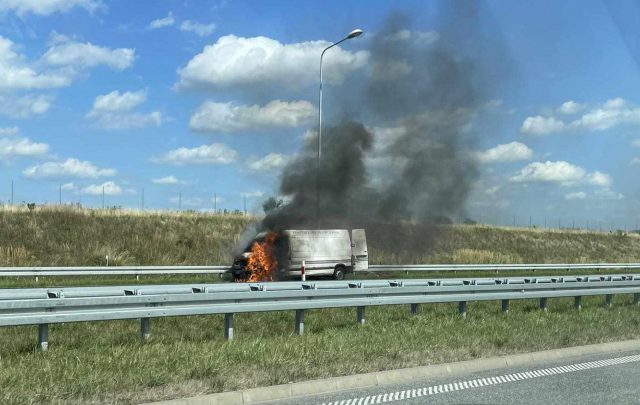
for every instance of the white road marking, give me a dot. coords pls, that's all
(481, 382)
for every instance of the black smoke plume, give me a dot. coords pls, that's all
(407, 162)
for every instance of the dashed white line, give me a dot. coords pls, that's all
(481, 382)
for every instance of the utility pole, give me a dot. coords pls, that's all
(180, 201)
(11, 192)
(60, 195)
(215, 202)
(245, 204)
(102, 197)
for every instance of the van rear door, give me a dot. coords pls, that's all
(360, 256)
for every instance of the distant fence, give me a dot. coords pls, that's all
(138, 271)
(44, 306)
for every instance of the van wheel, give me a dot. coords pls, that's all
(339, 273)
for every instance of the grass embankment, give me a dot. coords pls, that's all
(106, 362)
(63, 236)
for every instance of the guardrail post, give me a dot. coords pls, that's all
(137, 277)
(37, 279)
(607, 299)
(505, 306)
(414, 309)
(299, 322)
(636, 298)
(577, 303)
(145, 328)
(228, 326)
(360, 315)
(543, 304)
(462, 308)
(43, 336)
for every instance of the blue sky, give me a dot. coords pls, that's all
(201, 98)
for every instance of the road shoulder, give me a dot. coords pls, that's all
(335, 384)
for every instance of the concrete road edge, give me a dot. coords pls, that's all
(299, 389)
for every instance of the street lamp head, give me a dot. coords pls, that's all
(355, 33)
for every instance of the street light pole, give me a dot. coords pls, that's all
(352, 34)
(355, 33)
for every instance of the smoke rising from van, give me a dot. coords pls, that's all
(404, 157)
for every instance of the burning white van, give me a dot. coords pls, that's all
(324, 252)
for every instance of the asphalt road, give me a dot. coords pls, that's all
(613, 378)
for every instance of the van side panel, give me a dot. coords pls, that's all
(360, 253)
(322, 250)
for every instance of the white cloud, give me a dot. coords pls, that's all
(560, 172)
(540, 125)
(16, 73)
(130, 120)
(69, 187)
(162, 22)
(607, 194)
(166, 180)
(47, 7)
(69, 168)
(24, 106)
(199, 29)
(116, 102)
(114, 111)
(614, 104)
(236, 61)
(269, 163)
(109, 188)
(253, 194)
(598, 179)
(578, 195)
(570, 107)
(59, 65)
(14, 147)
(508, 152)
(635, 162)
(636, 143)
(421, 37)
(8, 131)
(228, 117)
(71, 53)
(215, 153)
(611, 113)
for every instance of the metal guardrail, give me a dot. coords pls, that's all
(177, 270)
(505, 267)
(44, 306)
(109, 271)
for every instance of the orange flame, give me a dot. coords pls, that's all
(262, 263)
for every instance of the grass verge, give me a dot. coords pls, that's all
(106, 362)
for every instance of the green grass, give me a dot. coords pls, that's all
(106, 362)
(64, 236)
(61, 236)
